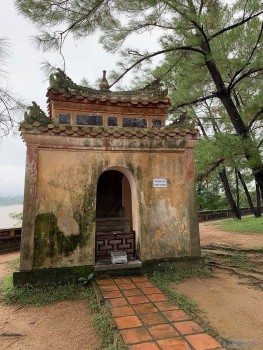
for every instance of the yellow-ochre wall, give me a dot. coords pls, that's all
(60, 197)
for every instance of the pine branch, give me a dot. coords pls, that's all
(244, 12)
(254, 119)
(235, 25)
(201, 7)
(200, 124)
(210, 169)
(260, 144)
(193, 102)
(83, 18)
(249, 58)
(146, 57)
(245, 75)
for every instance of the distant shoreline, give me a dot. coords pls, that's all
(11, 200)
(5, 220)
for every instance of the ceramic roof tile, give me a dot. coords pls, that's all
(43, 128)
(61, 83)
(105, 133)
(150, 134)
(110, 131)
(128, 134)
(171, 133)
(75, 128)
(56, 130)
(69, 132)
(93, 133)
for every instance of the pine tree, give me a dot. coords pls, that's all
(211, 45)
(10, 106)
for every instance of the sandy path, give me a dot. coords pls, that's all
(210, 234)
(235, 310)
(64, 325)
(5, 259)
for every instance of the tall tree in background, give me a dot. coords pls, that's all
(10, 106)
(206, 44)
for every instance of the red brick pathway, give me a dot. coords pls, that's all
(147, 320)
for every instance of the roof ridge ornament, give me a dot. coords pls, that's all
(60, 80)
(35, 114)
(104, 85)
(157, 87)
(61, 84)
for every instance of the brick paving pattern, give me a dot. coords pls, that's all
(147, 320)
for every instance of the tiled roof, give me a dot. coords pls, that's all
(110, 131)
(61, 84)
(134, 97)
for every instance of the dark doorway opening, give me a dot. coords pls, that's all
(109, 195)
(114, 229)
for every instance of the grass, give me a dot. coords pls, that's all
(256, 248)
(241, 260)
(166, 280)
(102, 323)
(163, 280)
(107, 333)
(40, 296)
(14, 264)
(246, 225)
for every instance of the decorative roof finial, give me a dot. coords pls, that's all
(104, 85)
(35, 114)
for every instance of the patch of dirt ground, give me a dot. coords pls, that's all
(5, 259)
(65, 325)
(234, 310)
(229, 303)
(211, 234)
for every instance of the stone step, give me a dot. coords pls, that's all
(119, 224)
(106, 265)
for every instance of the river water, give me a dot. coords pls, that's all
(5, 220)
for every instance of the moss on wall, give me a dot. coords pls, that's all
(50, 241)
(85, 207)
(135, 170)
(44, 277)
(53, 238)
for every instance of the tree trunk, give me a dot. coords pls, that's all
(241, 129)
(258, 173)
(237, 191)
(231, 201)
(249, 199)
(258, 200)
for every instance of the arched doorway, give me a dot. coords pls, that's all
(114, 215)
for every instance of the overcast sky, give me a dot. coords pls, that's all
(83, 59)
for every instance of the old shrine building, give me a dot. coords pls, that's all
(104, 173)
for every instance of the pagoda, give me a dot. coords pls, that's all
(104, 173)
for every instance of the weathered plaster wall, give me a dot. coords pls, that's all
(65, 204)
(63, 221)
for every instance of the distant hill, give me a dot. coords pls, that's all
(11, 200)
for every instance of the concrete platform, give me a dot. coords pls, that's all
(106, 265)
